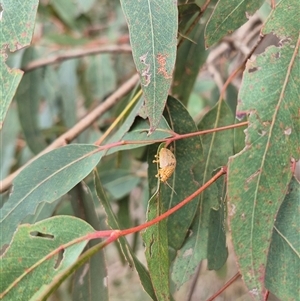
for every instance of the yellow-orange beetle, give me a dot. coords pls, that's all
(167, 164)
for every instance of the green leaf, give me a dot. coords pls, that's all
(258, 178)
(8, 145)
(157, 255)
(239, 138)
(127, 123)
(99, 84)
(119, 182)
(45, 180)
(153, 36)
(17, 23)
(43, 211)
(190, 57)
(90, 279)
(217, 251)
(188, 12)
(10, 79)
(67, 11)
(227, 16)
(217, 148)
(129, 255)
(135, 129)
(35, 267)
(124, 216)
(28, 97)
(138, 133)
(184, 181)
(67, 75)
(85, 5)
(283, 266)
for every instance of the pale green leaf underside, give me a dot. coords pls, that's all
(17, 23)
(32, 250)
(284, 255)
(258, 178)
(45, 180)
(153, 36)
(228, 16)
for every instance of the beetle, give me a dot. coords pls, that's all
(167, 164)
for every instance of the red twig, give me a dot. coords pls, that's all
(266, 296)
(227, 284)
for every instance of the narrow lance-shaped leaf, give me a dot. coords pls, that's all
(45, 180)
(135, 129)
(27, 267)
(217, 147)
(283, 268)
(191, 54)
(184, 180)
(258, 178)
(228, 16)
(156, 244)
(17, 23)
(217, 251)
(89, 280)
(128, 253)
(28, 97)
(153, 35)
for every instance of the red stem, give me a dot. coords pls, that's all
(227, 284)
(115, 234)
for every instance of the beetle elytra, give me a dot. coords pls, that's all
(167, 164)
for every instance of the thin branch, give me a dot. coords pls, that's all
(166, 214)
(75, 54)
(194, 282)
(227, 284)
(238, 69)
(112, 235)
(204, 132)
(82, 125)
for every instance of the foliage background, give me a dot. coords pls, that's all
(49, 100)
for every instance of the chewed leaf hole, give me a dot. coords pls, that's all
(268, 40)
(59, 259)
(251, 70)
(262, 132)
(40, 234)
(240, 115)
(288, 131)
